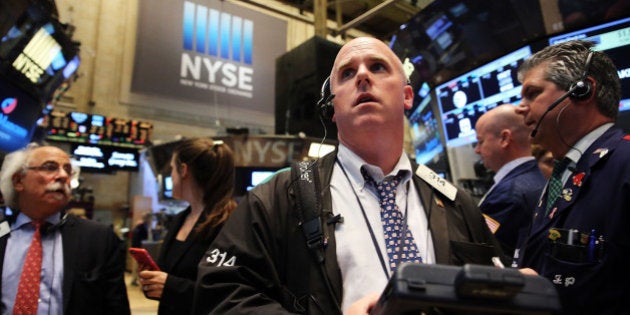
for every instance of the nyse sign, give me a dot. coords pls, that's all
(265, 151)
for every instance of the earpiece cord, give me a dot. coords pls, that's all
(557, 128)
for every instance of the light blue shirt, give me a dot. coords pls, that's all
(361, 270)
(50, 290)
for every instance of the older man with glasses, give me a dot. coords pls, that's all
(53, 263)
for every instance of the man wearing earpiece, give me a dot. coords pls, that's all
(580, 239)
(261, 262)
(52, 264)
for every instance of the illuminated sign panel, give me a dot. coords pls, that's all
(208, 51)
(38, 55)
(104, 159)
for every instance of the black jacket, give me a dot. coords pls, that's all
(260, 263)
(182, 266)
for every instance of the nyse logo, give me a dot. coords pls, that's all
(217, 51)
(37, 55)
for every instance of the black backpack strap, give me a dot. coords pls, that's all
(309, 206)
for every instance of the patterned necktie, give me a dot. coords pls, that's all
(400, 248)
(28, 288)
(555, 183)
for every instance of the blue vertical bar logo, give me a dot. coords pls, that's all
(219, 34)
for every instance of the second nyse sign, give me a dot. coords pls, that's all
(264, 152)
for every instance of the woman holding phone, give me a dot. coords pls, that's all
(203, 175)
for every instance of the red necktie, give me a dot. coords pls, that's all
(28, 289)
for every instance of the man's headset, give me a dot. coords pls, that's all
(325, 106)
(578, 91)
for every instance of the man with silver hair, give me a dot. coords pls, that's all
(579, 237)
(79, 263)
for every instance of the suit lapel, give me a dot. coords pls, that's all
(597, 153)
(435, 211)
(69, 239)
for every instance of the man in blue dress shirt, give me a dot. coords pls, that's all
(82, 264)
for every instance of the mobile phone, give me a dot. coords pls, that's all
(145, 262)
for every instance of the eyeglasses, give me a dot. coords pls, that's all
(51, 168)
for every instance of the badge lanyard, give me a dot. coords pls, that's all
(369, 226)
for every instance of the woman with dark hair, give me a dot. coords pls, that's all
(203, 175)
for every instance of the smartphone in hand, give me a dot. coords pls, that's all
(145, 262)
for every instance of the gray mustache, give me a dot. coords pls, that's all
(59, 186)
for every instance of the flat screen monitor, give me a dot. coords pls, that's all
(18, 116)
(247, 178)
(167, 187)
(426, 137)
(463, 99)
(104, 159)
(448, 37)
(613, 38)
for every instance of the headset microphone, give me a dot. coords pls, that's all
(551, 107)
(579, 90)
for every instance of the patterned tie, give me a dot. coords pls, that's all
(399, 248)
(28, 288)
(555, 182)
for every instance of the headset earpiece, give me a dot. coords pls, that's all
(325, 105)
(582, 88)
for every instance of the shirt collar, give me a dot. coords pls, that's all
(352, 163)
(509, 166)
(24, 219)
(575, 153)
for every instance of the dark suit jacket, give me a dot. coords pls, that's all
(260, 262)
(94, 266)
(512, 201)
(177, 296)
(595, 199)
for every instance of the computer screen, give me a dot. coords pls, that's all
(613, 38)
(448, 37)
(167, 187)
(426, 137)
(463, 99)
(105, 159)
(247, 178)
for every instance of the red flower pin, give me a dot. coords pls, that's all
(577, 179)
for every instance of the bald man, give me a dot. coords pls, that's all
(504, 146)
(267, 267)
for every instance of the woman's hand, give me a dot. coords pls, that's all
(152, 283)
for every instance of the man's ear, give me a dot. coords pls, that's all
(408, 96)
(17, 182)
(506, 137)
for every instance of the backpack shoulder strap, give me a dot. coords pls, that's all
(309, 206)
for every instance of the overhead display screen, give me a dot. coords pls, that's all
(96, 129)
(613, 38)
(464, 98)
